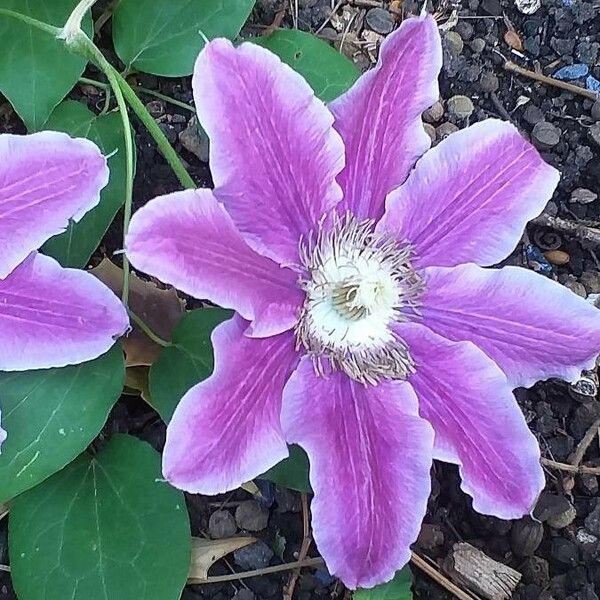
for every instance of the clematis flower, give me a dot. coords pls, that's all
(49, 316)
(365, 319)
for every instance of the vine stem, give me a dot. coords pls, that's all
(155, 131)
(55, 31)
(146, 329)
(79, 42)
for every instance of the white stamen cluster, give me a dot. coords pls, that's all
(357, 284)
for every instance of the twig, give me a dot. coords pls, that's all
(584, 444)
(333, 11)
(439, 578)
(514, 68)
(3, 510)
(307, 562)
(306, 541)
(5, 568)
(580, 469)
(580, 230)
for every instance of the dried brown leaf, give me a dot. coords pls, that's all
(513, 39)
(159, 309)
(206, 553)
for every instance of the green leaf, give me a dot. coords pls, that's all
(164, 36)
(36, 70)
(74, 247)
(188, 361)
(328, 72)
(291, 472)
(396, 589)
(51, 415)
(106, 527)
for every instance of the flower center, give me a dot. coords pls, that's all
(357, 284)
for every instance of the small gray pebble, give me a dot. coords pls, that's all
(255, 556)
(582, 196)
(430, 129)
(445, 129)
(454, 43)
(380, 20)
(221, 525)
(591, 281)
(460, 107)
(545, 135)
(156, 108)
(488, 82)
(194, 140)
(532, 114)
(244, 594)
(594, 133)
(592, 521)
(434, 113)
(596, 110)
(251, 516)
(478, 45)
(465, 30)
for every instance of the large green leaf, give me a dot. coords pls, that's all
(51, 415)
(74, 247)
(291, 472)
(327, 71)
(107, 527)
(164, 36)
(185, 363)
(396, 589)
(36, 70)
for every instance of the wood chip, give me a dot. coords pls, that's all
(470, 567)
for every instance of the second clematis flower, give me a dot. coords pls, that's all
(49, 316)
(368, 330)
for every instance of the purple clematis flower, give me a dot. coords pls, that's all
(365, 322)
(49, 316)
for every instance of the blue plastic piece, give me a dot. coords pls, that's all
(575, 71)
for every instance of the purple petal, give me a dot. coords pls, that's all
(379, 118)
(274, 154)
(45, 179)
(469, 198)
(52, 317)
(187, 239)
(226, 430)
(477, 421)
(531, 326)
(370, 456)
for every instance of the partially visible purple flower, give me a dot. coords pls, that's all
(365, 319)
(49, 316)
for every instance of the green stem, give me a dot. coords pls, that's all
(79, 42)
(142, 90)
(55, 31)
(146, 329)
(155, 131)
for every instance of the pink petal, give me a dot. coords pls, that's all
(379, 118)
(469, 198)
(226, 430)
(274, 154)
(45, 179)
(531, 326)
(370, 456)
(477, 421)
(188, 240)
(52, 317)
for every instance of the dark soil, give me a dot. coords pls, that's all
(557, 557)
